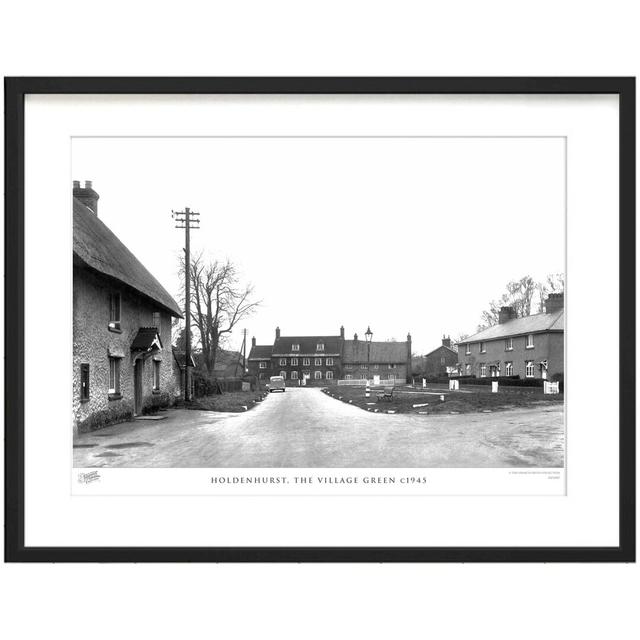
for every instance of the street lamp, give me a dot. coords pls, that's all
(368, 335)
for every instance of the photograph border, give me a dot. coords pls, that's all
(15, 91)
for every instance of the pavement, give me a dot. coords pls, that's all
(307, 428)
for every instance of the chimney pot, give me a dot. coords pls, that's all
(253, 341)
(342, 332)
(505, 314)
(277, 332)
(555, 302)
(86, 195)
(355, 336)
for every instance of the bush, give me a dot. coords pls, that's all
(121, 412)
(155, 402)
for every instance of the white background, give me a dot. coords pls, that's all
(54, 517)
(400, 38)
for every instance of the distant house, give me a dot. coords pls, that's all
(439, 362)
(322, 359)
(381, 362)
(528, 347)
(122, 356)
(259, 361)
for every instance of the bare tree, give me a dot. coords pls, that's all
(554, 283)
(218, 302)
(520, 295)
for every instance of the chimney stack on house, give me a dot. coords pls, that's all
(277, 332)
(342, 332)
(253, 341)
(446, 342)
(86, 195)
(555, 302)
(505, 314)
(355, 336)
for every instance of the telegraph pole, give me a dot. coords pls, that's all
(187, 220)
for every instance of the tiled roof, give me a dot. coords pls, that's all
(261, 352)
(520, 326)
(99, 248)
(442, 346)
(383, 352)
(284, 345)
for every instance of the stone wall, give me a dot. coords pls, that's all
(93, 342)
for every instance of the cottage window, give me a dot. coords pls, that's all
(114, 375)
(483, 348)
(329, 362)
(483, 370)
(156, 375)
(508, 344)
(263, 365)
(392, 366)
(376, 366)
(442, 360)
(318, 362)
(364, 366)
(348, 377)
(329, 375)
(392, 376)
(348, 366)
(114, 312)
(295, 347)
(363, 376)
(84, 382)
(317, 375)
(529, 369)
(468, 349)
(529, 343)
(294, 375)
(508, 368)
(284, 375)
(306, 362)
(294, 362)
(283, 362)
(467, 369)
(320, 346)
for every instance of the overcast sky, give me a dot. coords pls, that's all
(402, 234)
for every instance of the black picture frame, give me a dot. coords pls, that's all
(15, 91)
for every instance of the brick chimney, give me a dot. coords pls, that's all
(555, 302)
(87, 196)
(277, 332)
(505, 314)
(253, 341)
(342, 332)
(355, 336)
(446, 342)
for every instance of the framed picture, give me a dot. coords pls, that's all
(320, 319)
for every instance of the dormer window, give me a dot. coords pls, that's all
(114, 312)
(295, 347)
(320, 346)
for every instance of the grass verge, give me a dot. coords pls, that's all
(439, 400)
(232, 401)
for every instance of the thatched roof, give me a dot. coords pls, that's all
(357, 351)
(100, 249)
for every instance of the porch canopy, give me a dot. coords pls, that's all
(146, 342)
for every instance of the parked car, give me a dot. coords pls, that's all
(276, 383)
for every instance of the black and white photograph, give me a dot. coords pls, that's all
(319, 302)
